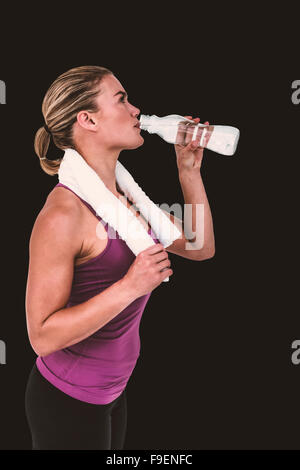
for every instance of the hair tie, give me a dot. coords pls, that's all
(49, 132)
(47, 129)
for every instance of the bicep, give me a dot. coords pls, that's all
(53, 246)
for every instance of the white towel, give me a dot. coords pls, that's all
(75, 173)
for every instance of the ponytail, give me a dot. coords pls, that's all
(72, 92)
(41, 145)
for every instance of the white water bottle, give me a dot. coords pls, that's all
(176, 129)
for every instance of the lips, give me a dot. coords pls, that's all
(137, 124)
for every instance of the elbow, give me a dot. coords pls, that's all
(206, 254)
(39, 346)
(38, 349)
(211, 254)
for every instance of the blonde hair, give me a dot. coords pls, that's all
(73, 91)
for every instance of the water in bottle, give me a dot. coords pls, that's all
(176, 129)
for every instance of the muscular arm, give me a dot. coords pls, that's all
(55, 241)
(194, 194)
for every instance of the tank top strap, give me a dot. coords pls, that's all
(84, 202)
(91, 208)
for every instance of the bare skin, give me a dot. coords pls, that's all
(99, 138)
(93, 236)
(64, 235)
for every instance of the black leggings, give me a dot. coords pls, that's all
(59, 421)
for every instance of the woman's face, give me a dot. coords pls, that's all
(116, 117)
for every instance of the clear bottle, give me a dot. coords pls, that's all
(176, 129)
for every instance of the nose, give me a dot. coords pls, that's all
(135, 111)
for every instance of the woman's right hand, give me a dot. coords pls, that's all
(147, 271)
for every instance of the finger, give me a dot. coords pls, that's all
(185, 131)
(193, 144)
(199, 133)
(190, 128)
(181, 134)
(208, 135)
(154, 248)
(161, 256)
(166, 273)
(164, 264)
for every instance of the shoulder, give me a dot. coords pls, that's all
(61, 197)
(59, 219)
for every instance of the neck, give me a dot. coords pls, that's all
(103, 162)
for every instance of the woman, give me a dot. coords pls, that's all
(85, 291)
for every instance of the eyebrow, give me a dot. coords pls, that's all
(121, 93)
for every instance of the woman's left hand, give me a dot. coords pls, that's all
(189, 157)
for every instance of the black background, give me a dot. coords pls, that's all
(215, 368)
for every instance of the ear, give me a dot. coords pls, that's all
(87, 121)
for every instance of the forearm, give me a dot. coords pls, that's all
(194, 193)
(73, 324)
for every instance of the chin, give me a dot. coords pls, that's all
(138, 143)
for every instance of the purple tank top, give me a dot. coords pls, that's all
(97, 369)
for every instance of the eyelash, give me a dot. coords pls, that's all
(123, 99)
